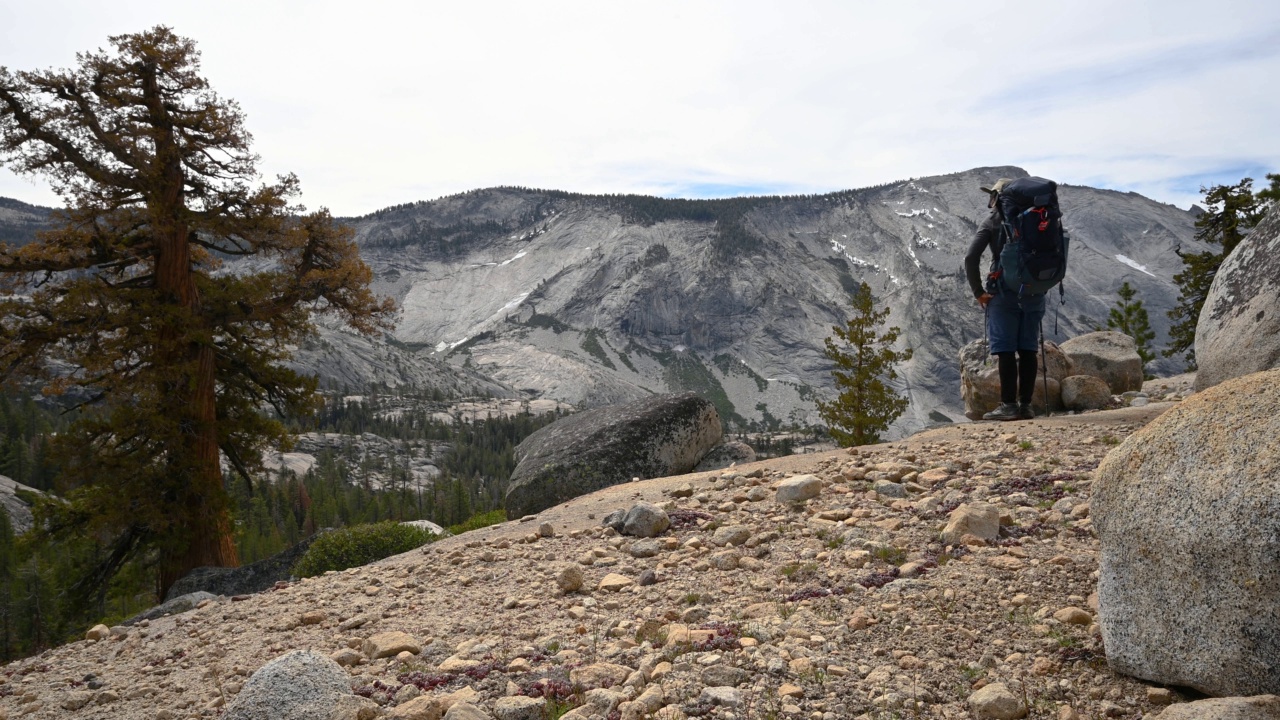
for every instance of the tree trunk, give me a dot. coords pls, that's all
(201, 531)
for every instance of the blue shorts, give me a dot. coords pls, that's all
(1013, 323)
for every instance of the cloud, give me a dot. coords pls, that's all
(395, 101)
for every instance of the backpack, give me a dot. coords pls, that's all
(1034, 256)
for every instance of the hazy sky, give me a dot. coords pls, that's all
(377, 103)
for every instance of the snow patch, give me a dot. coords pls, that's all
(1134, 264)
(518, 255)
(516, 302)
(839, 247)
(444, 345)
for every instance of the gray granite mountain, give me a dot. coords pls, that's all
(596, 300)
(599, 300)
(19, 221)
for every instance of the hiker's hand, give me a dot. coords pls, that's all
(984, 298)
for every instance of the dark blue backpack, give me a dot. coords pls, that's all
(1034, 257)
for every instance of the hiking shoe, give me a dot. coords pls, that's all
(1025, 412)
(1006, 411)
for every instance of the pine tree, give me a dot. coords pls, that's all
(177, 357)
(1233, 210)
(864, 365)
(1130, 318)
(1270, 195)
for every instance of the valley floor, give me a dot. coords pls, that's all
(741, 630)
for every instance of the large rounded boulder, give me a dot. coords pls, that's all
(980, 378)
(1239, 328)
(300, 685)
(1110, 356)
(1187, 512)
(655, 437)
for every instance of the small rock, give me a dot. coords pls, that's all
(1160, 696)
(599, 675)
(645, 549)
(423, 707)
(97, 632)
(466, 711)
(1073, 616)
(76, 700)
(726, 696)
(389, 644)
(569, 579)
(889, 489)
(347, 657)
(730, 535)
(797, 490)
(724, 676)
(996, 702)
(726, 560)
(791, 691)
(645, 520)
(613, 582)
(519, 707)
(979, 519)
(615, 520)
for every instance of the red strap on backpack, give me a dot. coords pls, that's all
(1043, 212)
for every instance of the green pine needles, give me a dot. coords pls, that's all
(1129, 317)
(1233, 211)
(863, 366)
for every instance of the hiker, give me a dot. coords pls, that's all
(1013, 318)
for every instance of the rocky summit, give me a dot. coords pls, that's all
(952, 575)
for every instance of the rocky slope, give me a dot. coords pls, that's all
(848, 606)
(596, 300)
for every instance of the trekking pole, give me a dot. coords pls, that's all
(1044, 363)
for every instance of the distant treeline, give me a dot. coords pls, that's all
(44, 596)
(474, 472)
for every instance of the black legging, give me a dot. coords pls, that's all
(1017, 374)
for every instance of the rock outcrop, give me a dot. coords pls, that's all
(655, 437)
(1239, 328)
(14, 506)
(1110, 356)
(243, 580)
(1187, 511)
(980, 379)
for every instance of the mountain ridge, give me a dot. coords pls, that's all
(587, 289)
(599, 299)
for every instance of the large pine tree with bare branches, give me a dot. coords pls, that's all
(128, 297)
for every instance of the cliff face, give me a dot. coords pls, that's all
(596, 300)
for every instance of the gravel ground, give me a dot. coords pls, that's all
(849, 605)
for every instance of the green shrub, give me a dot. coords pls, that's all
(475, 522)
(359, 545)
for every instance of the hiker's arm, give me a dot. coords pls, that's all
(972, 260)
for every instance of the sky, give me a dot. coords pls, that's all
(375, 103)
